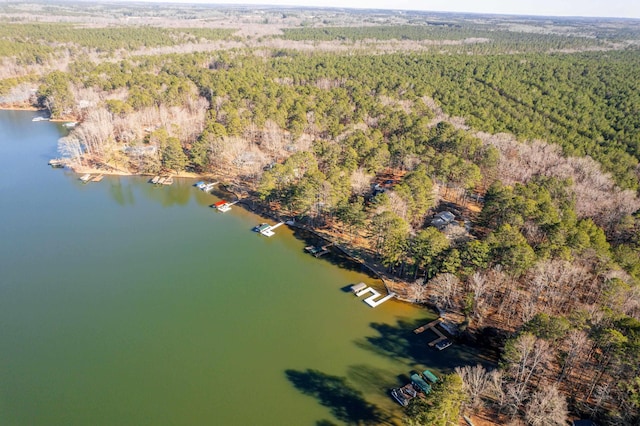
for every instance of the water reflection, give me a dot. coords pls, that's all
(122, 194)
(123, 190)
(400, 342)
(334, 392)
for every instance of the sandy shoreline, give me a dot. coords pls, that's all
(19, 108)
(115, 172)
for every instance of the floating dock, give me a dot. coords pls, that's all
(205, 186)
(91, 178)
(318, 251)
(223, 205)
(268, 230)
(162, 180)
(375, 298)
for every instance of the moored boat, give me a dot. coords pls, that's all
(399, 396)
(417, 380)
(430, 376)
(443, 344)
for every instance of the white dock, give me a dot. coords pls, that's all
(371, 301)
(224, 207)
(208, 186)
(85, 178)
(375, 298)
(268, 232)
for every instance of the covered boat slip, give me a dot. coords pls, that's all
(266, 229)
(223, 205)
(417, 380)
(430, 376)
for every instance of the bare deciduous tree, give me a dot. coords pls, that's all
(443, 289)
(547, 407)
(361, 182)
(475, 381)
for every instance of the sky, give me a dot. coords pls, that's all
(602, 8)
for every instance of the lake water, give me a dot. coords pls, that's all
(126, 304)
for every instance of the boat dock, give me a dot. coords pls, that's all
(223, 205)
(57, 163)
(318, 251)
(266, 229)
(432, 326)
(205, 186)
(375, 299)
(86, 178)
(162, 180)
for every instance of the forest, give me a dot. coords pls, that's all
(531, 141)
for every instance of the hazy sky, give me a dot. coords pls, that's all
(609, 8)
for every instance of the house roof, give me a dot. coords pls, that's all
(584, 423)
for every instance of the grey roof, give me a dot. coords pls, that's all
(445, 216)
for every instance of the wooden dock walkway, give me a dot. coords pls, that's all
(432, 326)
(427, 326)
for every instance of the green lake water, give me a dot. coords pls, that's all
(126, 304)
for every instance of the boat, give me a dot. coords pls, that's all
(417, 380)
(409, 390)
(39, 118)
(261, 227)
(85, 178)
(155, 180)
(430, 376)
(399, 396)
(443, 344)
(70, 124)
(199, 184)
(357, 288)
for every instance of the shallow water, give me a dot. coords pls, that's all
(122, 303)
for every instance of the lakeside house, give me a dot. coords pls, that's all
(442, 219)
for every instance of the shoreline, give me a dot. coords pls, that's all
(391, 284)
(5, 107)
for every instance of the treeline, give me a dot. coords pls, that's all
(490, 40)
(33, 43)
